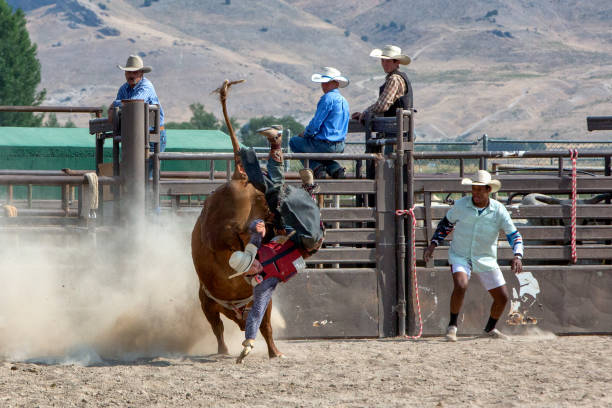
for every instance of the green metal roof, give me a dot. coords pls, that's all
(177, 139)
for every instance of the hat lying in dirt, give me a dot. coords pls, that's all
(329, 74)
(483, 178)
(134, 63)
(391, 52)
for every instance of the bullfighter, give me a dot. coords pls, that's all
(476, 221)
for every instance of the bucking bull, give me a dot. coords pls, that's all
(223, 228)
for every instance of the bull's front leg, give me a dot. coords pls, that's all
(266, 332)
(210, 309)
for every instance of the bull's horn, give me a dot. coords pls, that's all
(598, 198)
(547, 199)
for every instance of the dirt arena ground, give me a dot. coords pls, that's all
(538, 370)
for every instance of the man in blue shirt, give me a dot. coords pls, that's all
(476, 222)
(326, 131)
(139, 87)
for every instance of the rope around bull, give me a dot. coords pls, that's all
(573, 156)
(414, 274)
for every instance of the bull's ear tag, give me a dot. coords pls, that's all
(299, 264)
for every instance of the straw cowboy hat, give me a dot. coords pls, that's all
(483, 178)
(134, 63)
(241, 261)
(328, 74)
(391, 52)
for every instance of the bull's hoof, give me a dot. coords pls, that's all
(279, 355)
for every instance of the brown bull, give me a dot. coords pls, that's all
(220, 230)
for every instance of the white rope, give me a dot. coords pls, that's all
(90, 196)
(228, 304)
(10, 210)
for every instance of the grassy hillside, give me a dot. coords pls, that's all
(507, 68)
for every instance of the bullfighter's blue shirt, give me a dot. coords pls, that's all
(330, 121)
(143, 90)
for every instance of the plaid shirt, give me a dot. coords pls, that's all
(394, 89)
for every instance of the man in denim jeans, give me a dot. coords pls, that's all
(297, 226)
(326, 131)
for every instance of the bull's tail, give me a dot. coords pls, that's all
(223, 91)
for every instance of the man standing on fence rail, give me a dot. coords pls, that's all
(476, 221)
(139, 87)
(326, 131)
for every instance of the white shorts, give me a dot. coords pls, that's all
(489, 279)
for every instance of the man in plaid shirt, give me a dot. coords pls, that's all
(396, 92)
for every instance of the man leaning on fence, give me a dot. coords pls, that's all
(475, 222)
(136, 86)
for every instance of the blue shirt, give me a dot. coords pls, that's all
(330, 121)
(476, 233)
(143, 90)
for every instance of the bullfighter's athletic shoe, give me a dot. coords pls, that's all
(495, 334)
(274, 134)
(246, 349)
(451, 333)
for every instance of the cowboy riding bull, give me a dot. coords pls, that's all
(222, 239)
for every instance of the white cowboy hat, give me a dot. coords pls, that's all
(483, 178)
(134, 63)
(328, 74)
(391, 52)
(241, 261)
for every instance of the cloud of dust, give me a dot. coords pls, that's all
(532, 333)
(73, 298)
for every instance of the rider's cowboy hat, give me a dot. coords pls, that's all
(391, 52)
(483, 178)
(134, 63)
(328, 74)
(241, 261)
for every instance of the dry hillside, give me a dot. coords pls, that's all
(515, 68)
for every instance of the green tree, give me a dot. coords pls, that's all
(234, 123)
(200, 119)
(19, 69)
(52, 121)
(250, 138)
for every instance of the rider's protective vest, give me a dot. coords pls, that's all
(404, 101)
(281, 261)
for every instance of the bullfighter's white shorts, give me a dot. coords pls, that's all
(489, 279)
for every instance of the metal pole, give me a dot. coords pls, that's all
(287, 138)
(485, 148)
(409, 202)
(156, 177)
(400, 248)
(133, 158)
